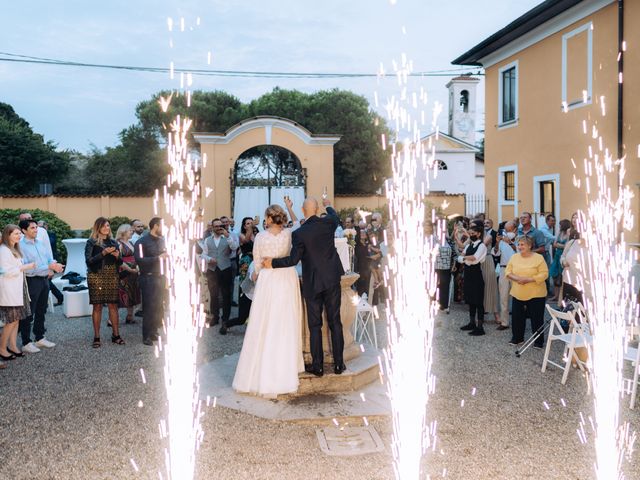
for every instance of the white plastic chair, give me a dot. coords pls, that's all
(632, 355)
(51, 304)
(578, 336)
(365, 321)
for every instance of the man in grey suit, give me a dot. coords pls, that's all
(216, 251)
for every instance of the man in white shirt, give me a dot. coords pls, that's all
(504, 249)
(138, 230)
(216, 254)
(233, 256)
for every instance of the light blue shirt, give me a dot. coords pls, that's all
(36, 251)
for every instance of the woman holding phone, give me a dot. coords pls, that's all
(103, 259)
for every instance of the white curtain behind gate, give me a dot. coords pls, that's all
(249, 202)
(296, 194)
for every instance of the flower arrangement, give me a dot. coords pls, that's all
(350, 233)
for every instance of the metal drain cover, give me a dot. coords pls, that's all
(346, 441)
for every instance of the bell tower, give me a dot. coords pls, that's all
(462, 108)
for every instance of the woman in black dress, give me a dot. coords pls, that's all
(103, 260)
(247, 234)
(474, 254)
(363, 262)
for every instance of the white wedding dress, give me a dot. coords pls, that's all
(271, 355)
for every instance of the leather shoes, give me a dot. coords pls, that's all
(313, 370)
(477, 332)
(338, 369)
(502, 327)
(148, 342)
(468, 326)
(223, 329)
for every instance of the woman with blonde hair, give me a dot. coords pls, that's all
(129, 291)
(103, 261)
(271, 355)
(14, 295)
(528, 273)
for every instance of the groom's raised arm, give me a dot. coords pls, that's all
(297, 251)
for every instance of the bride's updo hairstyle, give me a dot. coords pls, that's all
(277, 214)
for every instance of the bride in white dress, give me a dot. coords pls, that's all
(271, 355)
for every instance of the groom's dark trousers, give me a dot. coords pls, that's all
(330, 300)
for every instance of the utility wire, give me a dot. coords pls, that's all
(15, 58)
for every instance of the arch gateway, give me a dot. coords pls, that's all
(259, 161)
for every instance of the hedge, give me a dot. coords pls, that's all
(56, 225)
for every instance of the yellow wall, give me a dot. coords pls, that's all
(546, 138)
(81, 212)
(221, 158)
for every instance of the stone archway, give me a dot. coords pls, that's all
(220, 152)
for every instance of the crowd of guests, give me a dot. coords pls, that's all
(517, 267)
(123, 272)
(227, 253)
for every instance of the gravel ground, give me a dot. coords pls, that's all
(73, 413)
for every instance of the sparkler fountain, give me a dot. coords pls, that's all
(184, 320)
(611, 306)
(410, 279)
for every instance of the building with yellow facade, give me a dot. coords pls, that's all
(561, 69)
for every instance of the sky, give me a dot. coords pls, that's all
(78, 108)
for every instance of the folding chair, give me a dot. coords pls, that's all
(578, 336)
(364, 322)
(632, 354)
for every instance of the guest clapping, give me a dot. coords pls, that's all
(528, 272)
(14, 297)
(103, 260)
(39, 251)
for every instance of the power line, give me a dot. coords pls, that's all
(16, 58)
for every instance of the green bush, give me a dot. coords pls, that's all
(57, 226)
(114, 223)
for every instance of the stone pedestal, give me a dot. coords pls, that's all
(347, 316)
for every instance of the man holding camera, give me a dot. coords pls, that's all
(216, 254)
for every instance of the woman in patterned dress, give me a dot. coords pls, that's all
(14, 295)
(103, 261)
(129, 291)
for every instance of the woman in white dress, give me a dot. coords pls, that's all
(271, 355)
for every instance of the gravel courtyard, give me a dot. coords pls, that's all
(75, 413)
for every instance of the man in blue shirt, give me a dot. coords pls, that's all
(35, 251)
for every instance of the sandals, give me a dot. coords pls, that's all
(96, 342)
(117, 339)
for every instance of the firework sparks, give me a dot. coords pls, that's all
(184, 321)
(604, 272)
(410, 320)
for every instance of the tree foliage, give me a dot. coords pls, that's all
(26, 160)
(134, 167)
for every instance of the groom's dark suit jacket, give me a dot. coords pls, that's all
(314, 244)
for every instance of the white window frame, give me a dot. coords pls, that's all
(581, 103)
(555, 178)
(511, 123)
(501, 201)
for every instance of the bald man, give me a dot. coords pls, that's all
(313, 244)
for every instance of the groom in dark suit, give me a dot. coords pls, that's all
(314, 244)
